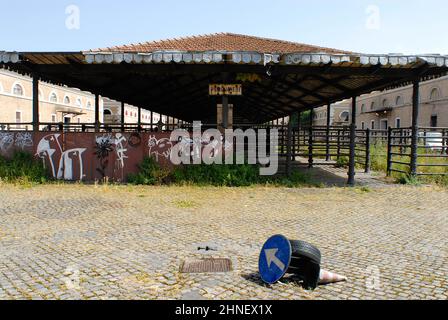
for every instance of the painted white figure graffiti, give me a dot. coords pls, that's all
(49, 148)
(160, 148)
(120, 149)
(70, 159)
(6, 141)
(24, 140)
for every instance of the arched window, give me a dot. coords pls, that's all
(385, 103)
(53, 97)
(372, 106)
(107, 112)
(17, 90)
(435, 94)
(399, 101)
(345, 116)
(66, 100)
(79, 102)
(89, 105)
(363, 108)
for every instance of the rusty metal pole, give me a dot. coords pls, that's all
(352, 159)
(225, 112)
(389, 152)
(35, 103)
(415, 128)
(152, 121)
(311, 141)
(289, 148)
(122, 116)
(97, 112)
(299, 128)
(368, 155)
(328, 158)
(139, 121)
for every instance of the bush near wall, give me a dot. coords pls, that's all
(22, 166)
(212, 175)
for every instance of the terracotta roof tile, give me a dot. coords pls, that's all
(222, 42)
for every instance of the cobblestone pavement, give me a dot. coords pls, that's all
(118, 242)
(330, 175)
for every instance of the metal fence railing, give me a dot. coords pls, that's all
(431, 154)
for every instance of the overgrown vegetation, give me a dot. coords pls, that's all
(151, 173)
(379, 163)
(22, 167)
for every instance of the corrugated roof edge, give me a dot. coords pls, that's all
(240, 57)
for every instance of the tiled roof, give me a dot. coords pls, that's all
(222, 42)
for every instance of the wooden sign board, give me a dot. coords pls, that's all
(226, 89)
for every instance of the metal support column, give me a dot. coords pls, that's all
(389, 152)
(328, 158)
(415, 126)
(225, 112)
(299, 129)
(352, 160)
(122, 117)
(35, 103)
(139, 121)
(289, 148)
(152, 120)
(310, 147)
(97, 112)
(368, 158)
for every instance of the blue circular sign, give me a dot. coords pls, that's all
(275, 258)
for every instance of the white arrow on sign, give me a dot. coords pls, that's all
(272, 258)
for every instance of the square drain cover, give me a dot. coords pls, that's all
(206, 266)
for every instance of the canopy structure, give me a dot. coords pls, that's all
(172, 77)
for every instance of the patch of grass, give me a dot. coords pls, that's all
(342, 162)
(217, 175)
(185, 204)
(23, 169)
(296, 179)
(409, 180)
(364, 189)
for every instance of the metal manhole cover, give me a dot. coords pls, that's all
(206, 266)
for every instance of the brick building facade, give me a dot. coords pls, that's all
(57, 104)
(393, 108)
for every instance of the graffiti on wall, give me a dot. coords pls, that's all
(64, 165)
(6, 141)
(20, 140)
(92, 156)
(109, 143)
(159, 147)
(103, 148)
(120, 149)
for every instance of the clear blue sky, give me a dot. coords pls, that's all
(390, 26)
